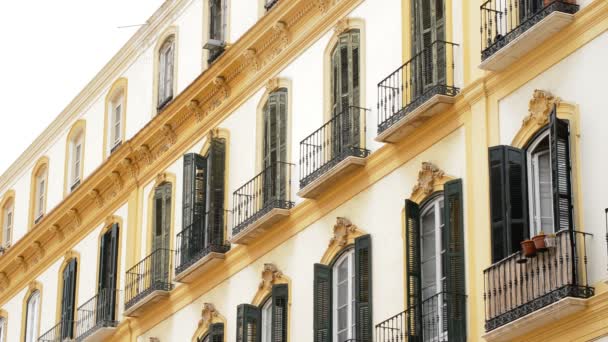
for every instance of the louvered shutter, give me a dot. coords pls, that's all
(216, 332)
(322, 319)
(453, 263)
(215, 190)
(68, 298)
(248, 323)
(508, 200)
(110, 294)
(280, 298)
(193, 205)
(561, 168)
(413, 270)
(275, 146)
(363, 288)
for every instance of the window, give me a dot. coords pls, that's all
(275, 146)
(8, 218)
(165, 72)
(267, 323)
(116, 129)
(40, 184)
(434, 243)
(75, 160)
(428, 28)
(215, 334)
(108, 263)
(32, 317)
(217, 29)
(68, 298)
(530, 188)
(3, 321)
(342, 296)
(268, 4)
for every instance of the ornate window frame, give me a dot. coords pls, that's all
(118, 89)
(8, 198)
(209, 316)
(161, 178)
(271, 275)
(33, 287)
(77, 132)
(41, 164)
(169, 33)
(107, 226)
(69, 256)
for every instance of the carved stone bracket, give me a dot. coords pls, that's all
(38, 252)
(251, 57)
(195, 107)
(145, 154)
(323, 5)
(117, 181)
(221, 86)
(341, 26)
(55, 229)
(131, 167)
(427, 176)
(170, 136)
(21, 263)
(75, 216)
(272, 85)
(208, 314)
(96, 197)
(539, 107)
(342, 229)
(270, 275)
(161, 178)
(280, 28)
(5, 281)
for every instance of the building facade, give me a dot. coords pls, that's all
(322, 170)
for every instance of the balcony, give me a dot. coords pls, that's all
(443, 319)
(96, 319)
(261, 202)
(332, 151)
(148, 282)
(418, 90)
(63, 331)
(195, 253)
(523, 294)
(512, 28)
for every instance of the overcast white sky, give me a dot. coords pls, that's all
(49, 51)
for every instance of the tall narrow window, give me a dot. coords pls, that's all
(3, 322)
(116, 122)
(161, 239)
(40, 197)
(541, 191)
(275, 146)
(32, 317)
(165, 72)
(344, 298)
(68, 298)
(7, 229)
(106, 287)
(267, 321)
(217, 29)
(428, 27)
(75, 160)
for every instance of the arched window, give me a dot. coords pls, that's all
(266, 326)
(343, 306)
(32, 317)
(345, 64)
(540, 192)
(75, 156)
(166, 60)
(114, 122)
(217, 29)
(67, 296)
(8, 218)
(38, 191)
(3, 325)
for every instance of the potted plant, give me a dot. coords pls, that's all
(528, 249)
(550, 241)
(539, 241)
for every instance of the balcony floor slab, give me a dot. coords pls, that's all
(151, 299)
(195, 270)
(260, 226)
(317, 186)
(100, 334)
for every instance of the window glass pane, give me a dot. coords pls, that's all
(267, 321)
(545, 192)
(343, 303)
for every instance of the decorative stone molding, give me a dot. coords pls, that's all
(270, 275)
(95, 195)
(208, 314)
(21, 263)
(161, 178)
(427, 176)
(221, 86)
(5, 282)
(145, 154)
(280, 28)
(195, 107)
(169, 134)
(341, 26)
(131, 167)
(75, 216)
(539, 107)
(55, 229)
(323, 5)
(38, 252)
(117, 181)
(272, 85)
(252, 59)
(342, 229)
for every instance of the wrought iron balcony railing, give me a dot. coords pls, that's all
(149, 275)
(336, 140)
(502, 21)
(63, 331)
(98, 312)
(428, 73)
(442, 319)
(270, 189)
(516, 287)
(194, 244)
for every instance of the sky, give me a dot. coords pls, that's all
(49, 51)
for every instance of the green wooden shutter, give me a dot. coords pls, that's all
(453, 262)
(110, 295)
(508, 200)
(280, 299)
(193, 205)
(68, 298)
(322, 301)
(561, 168)
(216, 332)
(248, 318)
(275, 146)
(215, 192)
(363, 288)
(413, 276)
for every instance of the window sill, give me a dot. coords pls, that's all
(116, 146)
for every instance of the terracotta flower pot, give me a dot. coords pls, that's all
(528, 249)
(539, 242)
